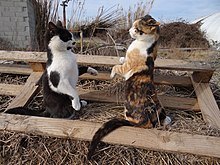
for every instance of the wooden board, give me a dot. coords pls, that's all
(207, 103)
(26, 93)
(10, 89)
(95, 60)
(137, 137)
(102, 96)
(15, 69)
(166, 101)
(158, 79)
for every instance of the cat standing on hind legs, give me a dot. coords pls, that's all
(142, 107)
(60, 77)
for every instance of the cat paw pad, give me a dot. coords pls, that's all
(92, 71)
(112, 75)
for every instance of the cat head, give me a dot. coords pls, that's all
(59, 38)
(145, 28)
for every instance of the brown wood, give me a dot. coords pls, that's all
(96, 60)
(10, 89)
(207, 103)
(102, 96)
(15, 69)
(202, 77)
(131, 136)
(159, 79)
(27, 92)
(166, 101)
(37, 67)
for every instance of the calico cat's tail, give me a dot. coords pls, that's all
(26, 111)
(107, 128)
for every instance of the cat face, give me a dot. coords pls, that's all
(145, 28)
(59, 38)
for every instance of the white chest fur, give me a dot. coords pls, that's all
(142, 45)
(64, 62)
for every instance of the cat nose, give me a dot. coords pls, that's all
(74, 42)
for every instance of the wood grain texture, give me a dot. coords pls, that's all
(15, 69)
(207, 103)
(10, 89)
(27, 92)
(166, 101)
(184, 81)
(137, 137)
(95, 60)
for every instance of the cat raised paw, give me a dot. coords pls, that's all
(92, 71)
(112, 75)
(122, 60)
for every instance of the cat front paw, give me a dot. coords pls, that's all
(167, 121)
(92, 71)
(83, 103)
(76, 104)
(122, 60)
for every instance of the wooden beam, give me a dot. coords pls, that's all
(10, 89)
(15, 69)
(131, 136)
(158, 79)
(166, 101)
(207, 103)
(96, 60)
(27, 92)
(102, 96)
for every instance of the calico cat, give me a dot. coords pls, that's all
(145, 31)
(60, 77)
(142, 107)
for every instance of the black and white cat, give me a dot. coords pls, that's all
(60, 77)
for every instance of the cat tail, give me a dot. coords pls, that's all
(27, 111)
(106, 128)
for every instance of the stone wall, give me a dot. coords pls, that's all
(17, 23)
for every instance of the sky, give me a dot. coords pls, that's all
(165, 10)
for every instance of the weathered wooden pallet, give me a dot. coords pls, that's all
(153, 139)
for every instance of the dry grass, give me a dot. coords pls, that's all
(19, 148)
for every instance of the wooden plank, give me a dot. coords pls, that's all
(158, 79)
(102, 96)
(15, 69)
(27, 92)
(166, 101)
(207, 103)
(131, 136)
(10, 89)
(96, 60)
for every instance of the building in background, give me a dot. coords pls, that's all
(17, 23)
(211, 26)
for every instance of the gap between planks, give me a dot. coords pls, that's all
(131, 136)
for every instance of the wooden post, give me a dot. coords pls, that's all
(207, 103)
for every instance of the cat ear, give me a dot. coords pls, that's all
(52, 27)
(59, 24)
